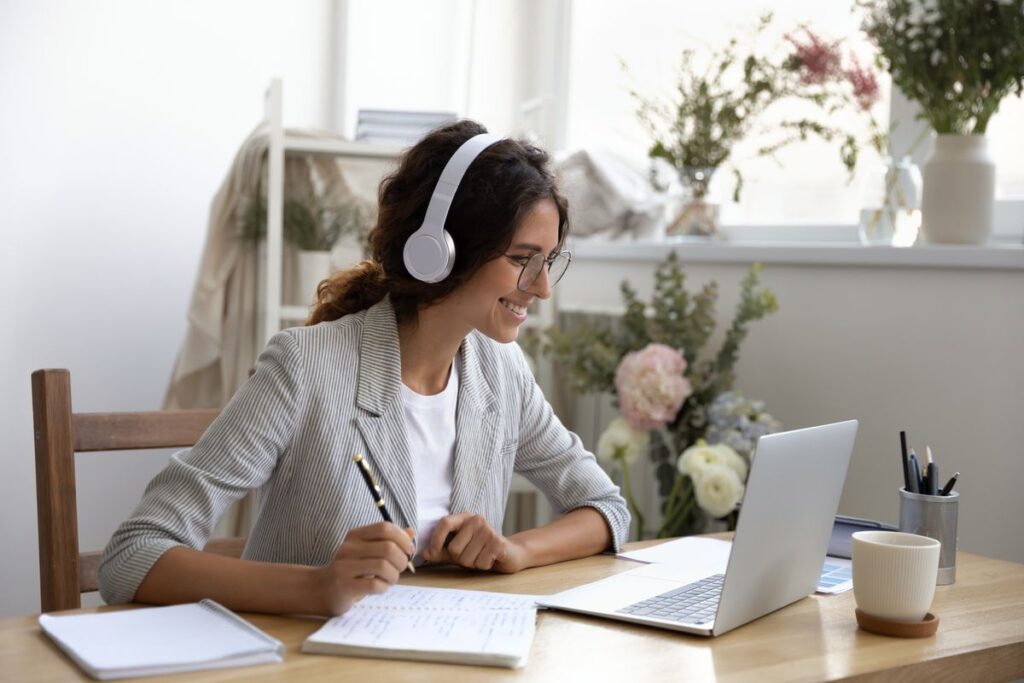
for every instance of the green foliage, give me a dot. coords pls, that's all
(716, 106)
(590, 354)
(312, 224)
(957, 59)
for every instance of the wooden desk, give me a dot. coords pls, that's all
(980, 638)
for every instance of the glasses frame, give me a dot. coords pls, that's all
(524, 262)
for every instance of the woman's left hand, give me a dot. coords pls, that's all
(474, 544)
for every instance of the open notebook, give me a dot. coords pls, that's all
(160, 640)
(433, 624)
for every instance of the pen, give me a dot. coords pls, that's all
(949, 485)
(915, 474)
(364, 469)
(932, 477)
(906, 460)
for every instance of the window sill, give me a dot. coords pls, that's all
(993, 256)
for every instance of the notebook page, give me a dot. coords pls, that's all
(472, 625)
(507, 632)
(152, 637)
(412, 597)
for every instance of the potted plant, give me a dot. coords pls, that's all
(316, 224)
(957, 60)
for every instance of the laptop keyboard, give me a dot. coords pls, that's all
(694, 603)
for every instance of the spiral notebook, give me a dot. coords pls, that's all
(435, 625)
(160, 640)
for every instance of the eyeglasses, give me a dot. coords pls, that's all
(557, 265)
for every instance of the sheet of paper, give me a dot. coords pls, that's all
(711, 555)
(687, 551)
(500, 631)
(412, 597)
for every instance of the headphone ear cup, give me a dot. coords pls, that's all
(428, 259)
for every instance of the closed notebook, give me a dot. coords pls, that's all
(160, 640)
(433, 624)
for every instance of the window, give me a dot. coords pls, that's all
(811, 186)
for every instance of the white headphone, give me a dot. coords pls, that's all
(429, 252)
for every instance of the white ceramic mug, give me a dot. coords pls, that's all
(894, 574)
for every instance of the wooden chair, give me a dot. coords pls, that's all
(64, 573)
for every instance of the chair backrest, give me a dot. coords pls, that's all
(64, 573)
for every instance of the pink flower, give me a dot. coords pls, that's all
(651, 386)
(865, 85)
(816, 59)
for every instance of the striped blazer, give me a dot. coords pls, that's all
(321, 394)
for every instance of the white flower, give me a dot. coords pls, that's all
(620, 443)
(718, 490)
(695, 460)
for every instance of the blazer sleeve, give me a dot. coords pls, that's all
(555, 461)
(237, 453)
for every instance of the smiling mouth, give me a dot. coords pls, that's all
(518, 310)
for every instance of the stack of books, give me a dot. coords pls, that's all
(394, 127)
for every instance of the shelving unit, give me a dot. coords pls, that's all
(272, 312)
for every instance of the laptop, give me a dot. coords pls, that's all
(777, 551)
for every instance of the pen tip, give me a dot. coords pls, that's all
(357, 457)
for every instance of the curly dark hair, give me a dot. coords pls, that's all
(500, 187)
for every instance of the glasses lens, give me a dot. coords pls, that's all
(530, 272)
(558, 267)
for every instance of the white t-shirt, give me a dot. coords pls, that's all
(430, 434)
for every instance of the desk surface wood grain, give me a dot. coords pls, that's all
(980, 638)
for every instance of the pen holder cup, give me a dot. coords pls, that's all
(934, 517)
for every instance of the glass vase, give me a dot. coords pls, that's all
(892, 201)
(696, 216)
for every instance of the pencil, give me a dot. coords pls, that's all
(364, 469)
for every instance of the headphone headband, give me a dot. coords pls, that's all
(429, 252)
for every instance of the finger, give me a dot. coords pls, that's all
(447, 525)
(489, 555)
(464, 536)
(369, 550)
(379, 568)
(480, 540)
(386, 531)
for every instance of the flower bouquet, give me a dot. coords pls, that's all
(720, 103)
(675, 395)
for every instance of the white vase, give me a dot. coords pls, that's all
(313, 267)
(959, 190)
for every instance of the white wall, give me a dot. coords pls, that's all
(118, 121)
(934, 351)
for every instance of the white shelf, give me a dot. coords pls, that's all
(355, 150)
(999, 257)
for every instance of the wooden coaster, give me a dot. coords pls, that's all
(899, 629)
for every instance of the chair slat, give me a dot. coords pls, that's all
(130, 431)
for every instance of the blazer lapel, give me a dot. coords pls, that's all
(383, 429)
(477, 432)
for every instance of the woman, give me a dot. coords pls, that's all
(419, 377)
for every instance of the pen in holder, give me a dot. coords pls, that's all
(934, 517)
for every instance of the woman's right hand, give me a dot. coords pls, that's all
(368, 561)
